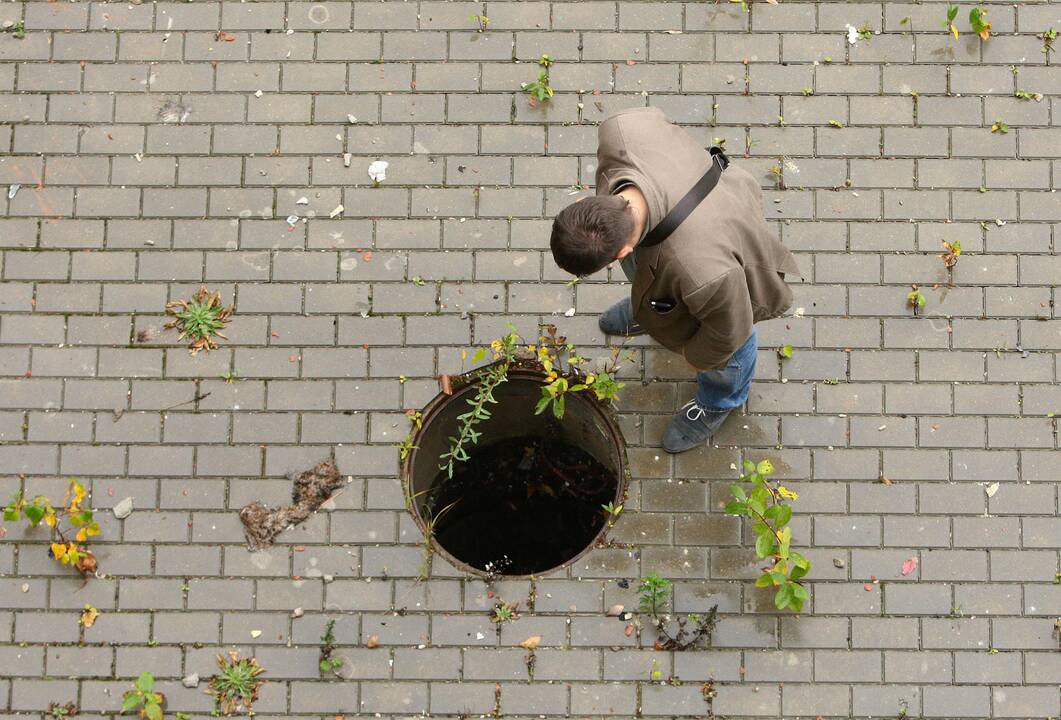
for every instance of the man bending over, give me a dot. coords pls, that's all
(699, 286)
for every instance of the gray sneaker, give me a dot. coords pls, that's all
(619, 320)
(691, 426)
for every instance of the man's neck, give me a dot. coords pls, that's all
(639, 206)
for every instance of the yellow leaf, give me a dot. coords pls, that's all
(49, 519)
(59, 551)
(88, 617)
(82, 535)
(954, 31)
(786, 493)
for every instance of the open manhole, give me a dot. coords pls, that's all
(530, 497)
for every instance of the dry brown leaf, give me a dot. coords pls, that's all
(372, 641)
(531, 643)
(88, 617)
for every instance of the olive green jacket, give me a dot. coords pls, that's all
(723, 268)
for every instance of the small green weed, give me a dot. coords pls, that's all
(200, 319)
(613, 511)
(540, 91)
(143, 698)
(329, 664)
(952, 13)
(1048, 37)
(1000, 127)
(235, 687)
(979, 23)
(481, 20)
(785, 352)
(916, 300)
(504, 612)
(1025, 95)
(655, 594)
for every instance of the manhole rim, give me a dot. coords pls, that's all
(464, 384)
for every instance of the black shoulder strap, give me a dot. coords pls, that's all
(688, 203)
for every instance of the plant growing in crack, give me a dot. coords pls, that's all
(673, 632)
(70, 517)
(916, 300)
(481, 20)
(952, 251)
(235, 686)
(979, 22)
(328, 663)
(613, 511)
(504, 612)
(764, 506)
(61, 711)
(540, 91)
(1048, 36)
(200, 319)
(144, 699)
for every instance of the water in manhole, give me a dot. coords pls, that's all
(529, 499)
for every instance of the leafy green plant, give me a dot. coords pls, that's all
(230, 377)
(143, 698)
(77, 519)
(481, 20)
(540, 91)
(764, 506)
(1025, 95)
(785, 351)
(553, 355)
(1000, 127)
(490, 378)
(18, 30)
(655, 594)
(235, 686)
(916, 300)
(864, 31)
(553, 352)
(1048, 36)
(406, 446)
(979, 22)
(199, 319)
(613, 511)
(952, 13)
(328, 663)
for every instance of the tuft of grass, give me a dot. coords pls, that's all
(235, 687)
(504, 612)
(199, 319)
(328, 663)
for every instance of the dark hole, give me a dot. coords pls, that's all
(529, 498)
(521, 506)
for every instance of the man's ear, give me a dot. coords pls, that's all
(580, 199)
(623, 252)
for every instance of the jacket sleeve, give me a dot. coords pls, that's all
(724, 309)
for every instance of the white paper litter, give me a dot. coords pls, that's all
(292, 219)
(336, 212)
(378, 170)
(13, 191)
(852, 34)
(302, 201)
(570, 312)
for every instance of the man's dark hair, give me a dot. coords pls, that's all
(587, 235)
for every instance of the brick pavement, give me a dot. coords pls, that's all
(163, 144)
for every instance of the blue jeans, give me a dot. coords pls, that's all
(728, 388)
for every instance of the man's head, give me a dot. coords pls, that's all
(588, 235)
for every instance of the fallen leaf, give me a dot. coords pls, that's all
(226, 37)
(909, 566)
(88, 617)
(631, 62)
(531, 643)
(885, 481)
(256, 633)
(372, 641)
(629, 630)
